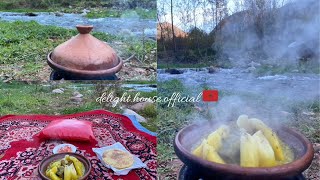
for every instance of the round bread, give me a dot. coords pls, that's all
(118, 159)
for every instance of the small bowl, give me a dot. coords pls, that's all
(56, 149)
(46, 162)
(187, 137)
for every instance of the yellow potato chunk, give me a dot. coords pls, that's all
(271, 137)
(248, 151)
(213, 156)
(216, 137)
(265, 151)
(198, 151)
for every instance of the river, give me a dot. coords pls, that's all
(116, 26)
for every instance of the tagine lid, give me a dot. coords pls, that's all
(85, 52)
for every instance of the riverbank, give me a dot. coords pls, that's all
(89, 9)
(24, 47)
(59, 98)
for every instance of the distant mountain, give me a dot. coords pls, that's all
(164, 30)
(289, 31)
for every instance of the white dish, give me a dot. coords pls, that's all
(56, 149)
(136, 165)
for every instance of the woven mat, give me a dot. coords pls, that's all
(21, 152)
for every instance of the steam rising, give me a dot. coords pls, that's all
(275, 36)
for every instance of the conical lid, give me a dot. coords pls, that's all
(84, 52)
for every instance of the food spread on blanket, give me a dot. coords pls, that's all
(68, 168)
(65, 149)
(118, 159)
(258, 145)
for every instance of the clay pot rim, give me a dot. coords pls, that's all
(86, 160)
(109, 71)
(294, 167)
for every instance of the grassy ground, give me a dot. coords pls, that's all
(21, 98)
(97, 9)
(24, 47)
(305, 117)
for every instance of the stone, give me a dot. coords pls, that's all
(140, 106)
(174, 71)
(31, 14)
(77, 94)
(58, 14)
(131, 112)
(58, 91)
(250, 69)
(212, 70)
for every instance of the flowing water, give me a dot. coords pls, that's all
(116, 26)
(291, 85)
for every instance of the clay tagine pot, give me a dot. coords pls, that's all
(189, 136)
(85, 56)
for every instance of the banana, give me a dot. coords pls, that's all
(216, 137)
(271, 137)
(248, 151)
(198, 151)
(265, 151)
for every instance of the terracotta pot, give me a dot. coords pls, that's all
(187, 137)
(46, 162)
(85, 55)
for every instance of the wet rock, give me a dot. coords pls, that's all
(85, 12)
(131, 112)
(31, 14)
(250, 69)
(212, 70)
(140, 106)
(174, 71)
(58, 91)
(58, 14)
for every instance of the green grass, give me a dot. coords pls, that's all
(21, 98)
(267, 69)
(24, 47)
(150, 112)
(170, 121)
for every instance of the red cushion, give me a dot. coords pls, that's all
(68, 129)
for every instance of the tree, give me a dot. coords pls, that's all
(172, 27)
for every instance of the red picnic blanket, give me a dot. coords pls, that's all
(21, 151)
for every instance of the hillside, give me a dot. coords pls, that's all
(164, 30)
(290, 32)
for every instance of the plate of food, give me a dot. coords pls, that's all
(64, 166)
(64, 148)
(118, 158)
